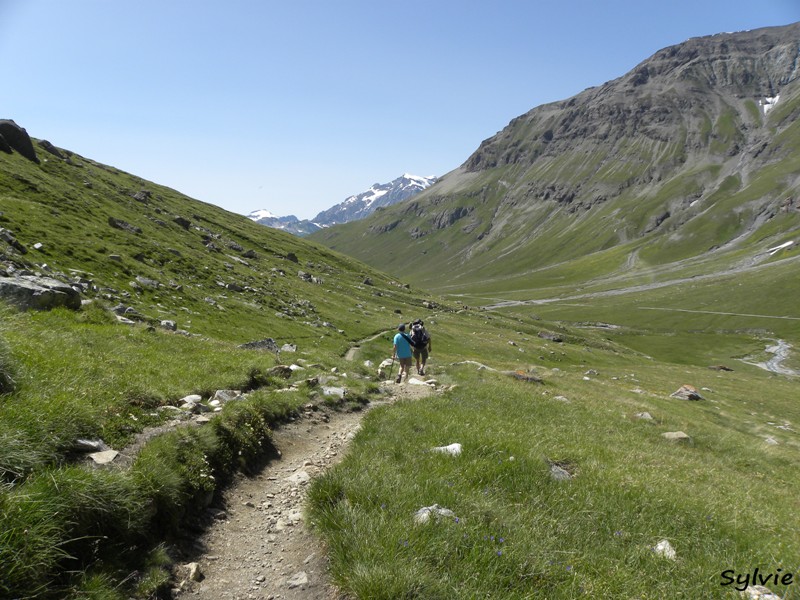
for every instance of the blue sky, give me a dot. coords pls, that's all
(293, 106)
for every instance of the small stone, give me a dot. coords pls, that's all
(195, 574)
(105, 457)
(665, 549)
(759, 592)
(677, 436)
(297, 580)
(423, 515)
(299, 478)
(559, 473)
(452, 449)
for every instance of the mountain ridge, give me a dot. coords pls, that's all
(694, 150)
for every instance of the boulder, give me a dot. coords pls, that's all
(40, 293)
(553, 337)
(48, 147)
(17, 139)
(124, 226)
(9, 238)
(182, 222)
(334, 392)
(687, 392)
(523, 376)
(283, 371)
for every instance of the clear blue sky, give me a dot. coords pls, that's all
(292, 106)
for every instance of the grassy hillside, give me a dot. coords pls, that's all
(223, 281)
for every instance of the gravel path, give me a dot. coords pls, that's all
(259, 546)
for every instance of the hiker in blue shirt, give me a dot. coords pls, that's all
(402, 350)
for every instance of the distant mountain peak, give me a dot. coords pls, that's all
(351, 208)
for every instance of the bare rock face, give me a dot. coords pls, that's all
(16, 138)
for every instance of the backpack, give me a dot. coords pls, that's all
(419, 337)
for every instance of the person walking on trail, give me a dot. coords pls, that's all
(421, 343)
(402, 350)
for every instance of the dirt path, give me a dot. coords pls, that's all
(259, 546)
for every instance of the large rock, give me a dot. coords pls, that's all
(17, 139)
(41, 293)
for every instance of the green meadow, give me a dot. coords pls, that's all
(726, 499)
(608, 336)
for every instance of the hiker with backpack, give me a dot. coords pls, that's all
(402, 350)
(421, 344)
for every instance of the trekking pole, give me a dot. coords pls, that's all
(391, 366)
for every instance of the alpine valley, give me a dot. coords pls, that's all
(609, 408)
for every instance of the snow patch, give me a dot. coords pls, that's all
(767, 104)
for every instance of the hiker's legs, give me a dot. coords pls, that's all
(405, 365)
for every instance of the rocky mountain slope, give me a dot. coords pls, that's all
(692, 153)
(353, 208)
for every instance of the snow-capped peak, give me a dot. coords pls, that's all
(352, 208)
(262, 214)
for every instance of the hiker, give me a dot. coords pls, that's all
(402, 350)
(421, 343)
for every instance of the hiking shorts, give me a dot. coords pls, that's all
(405, 362)
(421, 353)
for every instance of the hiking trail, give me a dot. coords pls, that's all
(258, 545)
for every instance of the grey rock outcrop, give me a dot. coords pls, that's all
(16, 138)
(48, 147)
(40, 293)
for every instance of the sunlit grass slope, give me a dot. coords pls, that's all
(67, 530)
(725, 500)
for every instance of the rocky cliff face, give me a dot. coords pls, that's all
(674, 92)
